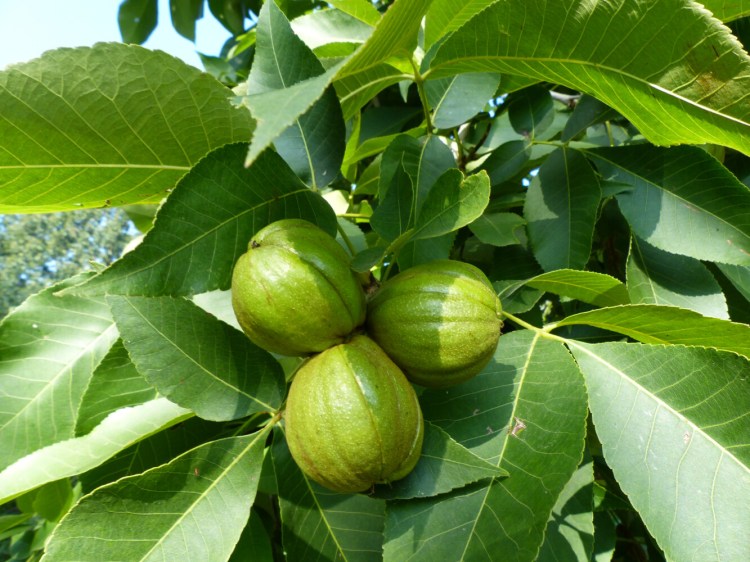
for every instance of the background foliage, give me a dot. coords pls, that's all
(592, 158)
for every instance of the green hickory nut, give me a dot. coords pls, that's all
(352, 419)
(439, 321)
(293, 292)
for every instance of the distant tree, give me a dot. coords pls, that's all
(39, 249)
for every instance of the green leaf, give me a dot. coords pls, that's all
(738, 276)
(457, 99)
(658, 277)
(667, 325)
(588, 112)
(510, 269)
(230, 13)
(314, 144)
(193, 508)
(361, 9)
(277, 110)
(605, 537)
(424, 160)
(74, 456)
(394, 215)
(425, 250)
(137, 19)
(498, 229)
(49, 347)
(156, 449)
(395, 34)
(443, 466)
(115, 384)
(692, 94)
(453, 202)
(356, 90)
(51, 501)
(506, 161)
(531, 111)
(206, 223)
(255, 543)
(526, 413)
(184, 16)
(570, 531)
(123, 131)
(323, 27)
(673, 425)
(318, 523)
(681, 200)
(586, 286)
(727, 10)
(219, 304)
(196, 360)
(366, 72)
(561, 210)
(445, 16)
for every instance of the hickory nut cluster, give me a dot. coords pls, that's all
(352, 417)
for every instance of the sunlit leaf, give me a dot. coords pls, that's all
(154, 450)
(49, 348)
(366, 72)
(69, 457)
(693, 93)
(673, 423)
(586, 286)
(525, 412)
(727, 10)
(314, 144)
(205, 225)
(361, 9)
(196, 360)
(658, 277)
(667, 325)
(106, 125)
(443, 466)
(571, 529)
(681, 200)
(115, 384)
(193, 508)
(445, 16)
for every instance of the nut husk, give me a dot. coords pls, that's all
(293, 292)
(352, 419)
(439, 321)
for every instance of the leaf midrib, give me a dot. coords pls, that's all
(97, 166)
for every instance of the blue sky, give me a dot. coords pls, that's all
(30, 27)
